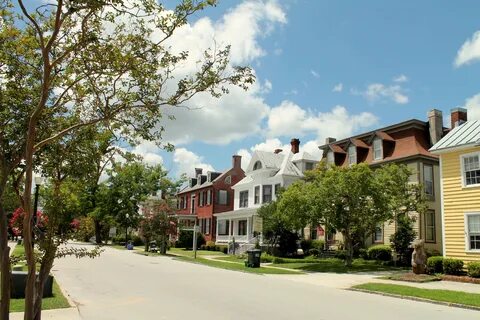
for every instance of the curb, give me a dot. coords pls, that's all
(444, 303)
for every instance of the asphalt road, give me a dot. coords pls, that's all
(123, 285)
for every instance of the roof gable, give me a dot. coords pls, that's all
(463, 135)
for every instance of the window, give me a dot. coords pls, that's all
(222, 197)
(242, 227)
(267, 193)
(257, 195)
(277, 188)
(313, 233)
(471, 170)
(228, 180)
(257, 165)
(184, 200)
(309, 166)
(378, 236)
(473, 231)
(377, 149)
(430, 226)
(428, 179)
(192, 208)
(352, 155)
(209, 197)
(200, 198)
(223, 227)
(207, 226)
(243, 199)
(330, 157)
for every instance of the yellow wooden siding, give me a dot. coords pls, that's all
(457, 201)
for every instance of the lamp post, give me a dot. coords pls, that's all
(38, 184)
(126, 229)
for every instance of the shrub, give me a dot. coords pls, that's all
(400, 241)
(225, 250)
(318, 244)
(452, 266)
(306, 245)
(435, 264)
(473, 269)
(137, 241)
(185, 240)
(277, 260)
(363, 254)
(341, 254)
(314, 252)
(380, 252)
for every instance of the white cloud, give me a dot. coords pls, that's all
(380, 92)
(240, 113)
(148, 150)
(187, 161)
(338, 87)
(292, 92)
(472, 104)
(401, 78)
(246, 157)
(314, 74)
(469, 52)
(289, 119)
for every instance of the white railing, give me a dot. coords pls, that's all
(250, 244)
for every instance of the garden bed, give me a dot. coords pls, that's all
(465, 279)
(412, 277)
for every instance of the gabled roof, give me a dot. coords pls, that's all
(383, 135)
(270, 160)
(358, 143)
(337, 149)
(288, 168)
(467, 134)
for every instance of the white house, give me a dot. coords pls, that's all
(265, 174)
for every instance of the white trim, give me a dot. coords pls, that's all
(462, 166)
(467, 239)
(453, 149)
(381, 148)
(442, 210)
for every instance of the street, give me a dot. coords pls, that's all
(124, 285)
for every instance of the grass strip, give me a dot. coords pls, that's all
(236, 266)
(448, 296)
(338, 266)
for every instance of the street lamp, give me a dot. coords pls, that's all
(126, 229)
(38, 184)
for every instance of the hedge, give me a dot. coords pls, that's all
(473, 269)
(380, 252)
(452, 266)
(435, 264)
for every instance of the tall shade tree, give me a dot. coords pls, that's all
(69, 64)
(353, 200)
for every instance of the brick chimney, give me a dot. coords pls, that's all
(330, 140)
(277, 151)
(295, 143)
(435, 122)
(198, 171)
(236, 161)
(458, 116)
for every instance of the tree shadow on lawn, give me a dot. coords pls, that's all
(338, 266)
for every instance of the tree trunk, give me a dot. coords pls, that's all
(4, 265)
(147, 244)
(46, 267)
(98, 231)
(348, 249)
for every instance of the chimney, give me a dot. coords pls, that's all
(295, 143)
(330, 140)
(236, 161)
(277, 151)
(458, 116)
(198, 171)
(435, 122)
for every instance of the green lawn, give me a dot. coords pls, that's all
(237, 266)
(460, 297)
(189, 253)
(58, 300)
(338, 266)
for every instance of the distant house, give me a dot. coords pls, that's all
(405, 143)
(459, 153)
(207, 194)
(266, 173)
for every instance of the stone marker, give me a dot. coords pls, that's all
(419, 258)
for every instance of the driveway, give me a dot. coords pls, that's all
(124, 285)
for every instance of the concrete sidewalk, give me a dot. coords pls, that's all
(57, 314)
(346, 280)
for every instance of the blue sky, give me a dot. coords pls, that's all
(389, 62)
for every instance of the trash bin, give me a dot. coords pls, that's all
(253, 260)
(19, 280)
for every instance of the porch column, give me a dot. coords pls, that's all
(230, 229)
(248, 229)
(216, 229)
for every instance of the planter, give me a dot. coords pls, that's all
(19, 280)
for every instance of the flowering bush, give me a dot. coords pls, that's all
(16, 222)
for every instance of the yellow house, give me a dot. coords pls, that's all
(459, 153)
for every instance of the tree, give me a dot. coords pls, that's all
(157, 224)
(353, 200)
(402, 238)
(74, 64)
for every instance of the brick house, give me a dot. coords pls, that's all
(406, 143)
(207, 194)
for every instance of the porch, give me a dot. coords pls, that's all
(241, 225)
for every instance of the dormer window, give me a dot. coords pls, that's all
(352, 155)
(377, 149)
(330, 157)
(257, 165)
